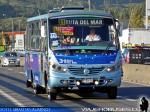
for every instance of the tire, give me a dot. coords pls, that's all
(112, 93)
(31, 78)
(143, 62)
(17, 65)
(36, 89)
(52, 96)
(28, 84)
(45, 79)
(3, 65)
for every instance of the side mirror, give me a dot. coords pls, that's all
(118, 27)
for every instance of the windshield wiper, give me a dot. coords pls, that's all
(108, 45)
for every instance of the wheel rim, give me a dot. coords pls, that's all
(34, 91)
(49, 96)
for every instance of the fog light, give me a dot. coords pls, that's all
(96, 82)
(110, 80)
(64, 82)
(78, 83)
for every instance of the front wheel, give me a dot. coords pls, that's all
(52, 96)
(52, 93)
(112, 93)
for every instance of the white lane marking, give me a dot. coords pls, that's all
(10, 69)
(125, 98)
(13, 100)
(22, 73)
(131, 99)
(136, 83)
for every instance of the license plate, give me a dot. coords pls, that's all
(11, 62)
(87, 80)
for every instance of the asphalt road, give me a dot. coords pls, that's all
(13, 93)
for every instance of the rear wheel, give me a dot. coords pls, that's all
(28, 83)
(36, 89)
(45, 81)
(31, 78)
(112, 93)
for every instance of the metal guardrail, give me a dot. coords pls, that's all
(135, 45)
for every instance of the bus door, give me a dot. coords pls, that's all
(44, 54)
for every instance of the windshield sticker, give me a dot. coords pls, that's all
(55, 43)
(54, 39)
(53, 36)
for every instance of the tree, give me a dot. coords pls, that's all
(136, 18)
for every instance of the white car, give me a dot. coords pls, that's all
(10, 58)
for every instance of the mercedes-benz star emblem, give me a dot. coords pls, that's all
(86, 71)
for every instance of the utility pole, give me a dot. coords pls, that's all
(19, 25)
(89, 2)
(105, 4)
(12, 46)
(2, 32)
(146, 14)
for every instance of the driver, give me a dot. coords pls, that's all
(92, 36)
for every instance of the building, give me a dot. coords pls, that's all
(8, 39)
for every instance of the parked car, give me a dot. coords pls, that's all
(21, 52)
(10, 58)
(1, 54)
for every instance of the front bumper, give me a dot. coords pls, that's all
(68, 80)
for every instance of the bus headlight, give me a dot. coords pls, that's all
(110, 69)
(58, 68)
(113, 68)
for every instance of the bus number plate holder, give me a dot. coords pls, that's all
(86, 81)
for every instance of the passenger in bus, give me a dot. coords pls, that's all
(69, 40)
(92, 36)
(73, 41)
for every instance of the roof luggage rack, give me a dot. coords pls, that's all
(72, 8)
(54, 10)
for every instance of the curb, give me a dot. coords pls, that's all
(136, 81)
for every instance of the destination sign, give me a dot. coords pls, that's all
(83, 22)
(64, 30)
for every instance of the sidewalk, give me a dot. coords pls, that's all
(137, 73)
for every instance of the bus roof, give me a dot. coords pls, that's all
(70, 13)
(41, 17)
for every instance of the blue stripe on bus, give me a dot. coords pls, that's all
(84, 59)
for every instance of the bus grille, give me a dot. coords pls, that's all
(80, 71)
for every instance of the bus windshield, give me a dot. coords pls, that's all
(94, 31)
